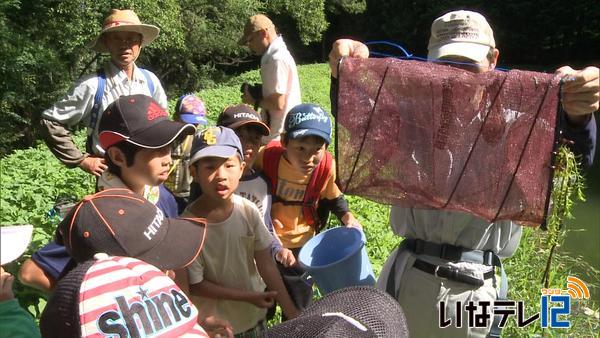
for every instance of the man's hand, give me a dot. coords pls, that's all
(346, 47)
(285, 257)
(263, 299)
(93, 165)
(580, 92)
(216, 327)
(6, 283)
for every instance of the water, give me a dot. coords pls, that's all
(584, 237)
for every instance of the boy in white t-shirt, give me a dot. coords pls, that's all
(228, 278)
(254, 185)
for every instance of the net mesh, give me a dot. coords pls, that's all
(424, 135)
(379, 313)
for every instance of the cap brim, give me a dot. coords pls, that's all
(215, 151)
(308, 132)
(193, 119)
(310, 325)
(263, 127)
(161, 134)
(188, 234)
(14, 242)
(473, 51)
(149, 34)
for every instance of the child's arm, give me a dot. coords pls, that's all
(209, 289)
(282, 255)
(339, 207)
(31, 274)
(182, 280)
(268, 271)
(350, 221)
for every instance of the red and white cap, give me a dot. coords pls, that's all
(119, 296)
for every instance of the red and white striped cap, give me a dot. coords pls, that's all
(119, 296)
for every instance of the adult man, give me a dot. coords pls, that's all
(455, 241)
(123, 36)
(280, 84)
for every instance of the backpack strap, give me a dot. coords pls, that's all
(271, 157)
(312, 195)
(148, 81)
(98, 98)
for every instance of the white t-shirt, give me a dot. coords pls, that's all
(227, 259)
(257, 190)
(279, 75)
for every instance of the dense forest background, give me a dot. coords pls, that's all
(43, 42)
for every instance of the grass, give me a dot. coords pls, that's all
(33, 178)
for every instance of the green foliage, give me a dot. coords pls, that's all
(309, 16)
(31, 180)
(525, 270)
(568, 189)
(197, 48)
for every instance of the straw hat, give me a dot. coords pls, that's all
(124, 20)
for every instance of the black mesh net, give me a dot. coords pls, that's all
(379, 313)
(424, 135)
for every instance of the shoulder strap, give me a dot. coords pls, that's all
(97, 98)
(317, 182)
(271, 158)
(148, 81)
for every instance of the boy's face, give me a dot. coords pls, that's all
(150, 167)
(218, 177)
(250, 137)
(305, 153)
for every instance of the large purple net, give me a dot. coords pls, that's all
(425, 135)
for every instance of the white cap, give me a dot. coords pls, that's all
(14, 240)
(461, 33)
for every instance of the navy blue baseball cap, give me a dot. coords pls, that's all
(308, 119)
(216, 142)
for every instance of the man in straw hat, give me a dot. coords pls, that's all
(451, 256)
(280, 89)
(122, 36)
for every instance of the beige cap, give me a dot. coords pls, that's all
(254, 24)
(461, 33)
(124, 20)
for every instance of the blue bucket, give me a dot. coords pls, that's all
(337, 258)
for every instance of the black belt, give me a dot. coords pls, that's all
(448, 272)
(449, 252)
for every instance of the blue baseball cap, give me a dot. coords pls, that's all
(190, 109)
(308, 119)
(216, 142)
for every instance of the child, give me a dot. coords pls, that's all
(136, 134)
(189, 109)
(112, 296)
(227, 274)
(302, 174)
(254, 186)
